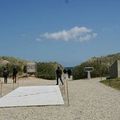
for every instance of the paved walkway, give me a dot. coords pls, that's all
(95, 100)
(89, 100)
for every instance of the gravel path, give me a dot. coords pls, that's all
(89, 100)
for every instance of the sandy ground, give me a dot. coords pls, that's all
(89, 100)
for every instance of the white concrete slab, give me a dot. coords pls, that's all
(33, 96)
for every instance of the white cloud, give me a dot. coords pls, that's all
(74, 34)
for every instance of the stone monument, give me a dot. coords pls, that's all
(88, 70)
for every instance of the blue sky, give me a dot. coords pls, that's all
(53, 30)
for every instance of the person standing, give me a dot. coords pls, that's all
(59, 76)
(69, 73)
(65, 74)
(14, 74)
(5, 75)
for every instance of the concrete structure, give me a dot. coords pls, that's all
(33, 96)
(31, 67)
(115, 69)
(88, 70)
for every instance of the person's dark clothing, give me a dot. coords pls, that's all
(69, 73)
(25, 69)
(5, 75)
(59, 76)
(14, 74)
(58, 72)
(65, 74)
(65, 71)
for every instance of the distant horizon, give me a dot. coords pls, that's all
(66, 31)
(59, 62)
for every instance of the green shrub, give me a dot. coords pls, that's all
(1, 70)
(12, 61)
(78, 72)
(99, 70)
(46, 70)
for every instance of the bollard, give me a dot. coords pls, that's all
(66, 90)
(1, 88)
(13, 85)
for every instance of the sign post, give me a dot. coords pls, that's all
(88, 70)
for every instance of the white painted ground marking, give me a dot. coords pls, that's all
(33, 96)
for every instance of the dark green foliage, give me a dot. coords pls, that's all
(101, 66)
(25, 69)
(78, 72)
(1, 70)
(46, 70)
(100, 69)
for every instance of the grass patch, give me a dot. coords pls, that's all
(115, 83)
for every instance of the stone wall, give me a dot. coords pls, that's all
(115, 69)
